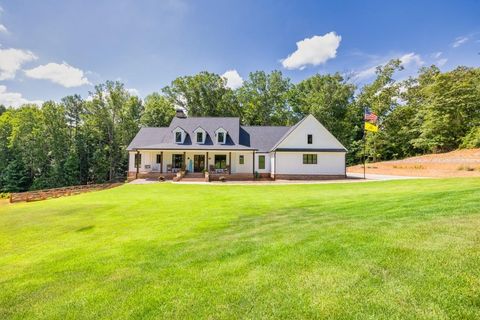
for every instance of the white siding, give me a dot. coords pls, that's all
(322, 138)
(328, 163)
(150, 158)
(267, 162)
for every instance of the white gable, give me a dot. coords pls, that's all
(204, 134)
(321, 137)
(224, 132)
(182, 132)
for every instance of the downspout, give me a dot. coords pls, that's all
(253, 164)
(161, 161)
(137, 164)
(275, 165)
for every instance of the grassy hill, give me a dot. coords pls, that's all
(458, 163)
(396, 249)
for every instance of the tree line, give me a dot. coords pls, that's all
(80, 141)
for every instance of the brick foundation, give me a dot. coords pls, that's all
(150, 175)
(231, 177)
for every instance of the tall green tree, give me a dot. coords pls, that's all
(203, 94)
(158, 112)
(452, 109)
(381, 96)
(264, 99)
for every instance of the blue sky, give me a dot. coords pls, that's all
(49, 49)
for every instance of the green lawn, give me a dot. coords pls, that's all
(397, 249)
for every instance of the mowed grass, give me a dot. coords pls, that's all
(400, 249)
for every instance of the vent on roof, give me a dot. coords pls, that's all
(180, 113)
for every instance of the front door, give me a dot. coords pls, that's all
(198, 162)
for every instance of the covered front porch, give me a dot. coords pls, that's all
(211, 163)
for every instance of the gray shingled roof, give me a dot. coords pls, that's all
(261, 138)
(239, 137)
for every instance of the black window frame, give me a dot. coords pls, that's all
(201, 136)
(159, 158)
(178, 134)
(309, 138)
(223, 136)
(178, 161)
(261, 164)
(310, 158)
(138, 160)
(220, 161)
(241, 159)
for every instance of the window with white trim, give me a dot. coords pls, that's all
(178, 137)
(221, 137)
(199, 137)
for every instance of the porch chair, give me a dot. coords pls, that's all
(169, 168)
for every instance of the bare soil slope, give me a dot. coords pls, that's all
(459, 163)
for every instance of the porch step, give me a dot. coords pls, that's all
(193, 177)
(192, 180)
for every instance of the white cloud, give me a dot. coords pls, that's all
(365, 74)
(441, 62)
(3, 29)
(133, 92)
(411, 59)
(11, 60)
(14, 99)
(407, 60)
(63, 74)
(234, 80)
(459, 41)
(437, 55)
(315, 50)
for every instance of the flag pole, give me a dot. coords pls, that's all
(364, 144)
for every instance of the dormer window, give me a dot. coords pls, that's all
(221, 135)
(200, 135)
(179, 135)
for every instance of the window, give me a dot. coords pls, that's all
(138, 160)
(177, 161)
(309, 159)
(309, 139)
(200, 137)
(178, 137)
(261, 162)
(241, 159)
(220, 161)
(159, 158)
(221, 137)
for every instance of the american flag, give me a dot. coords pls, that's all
(370, 116)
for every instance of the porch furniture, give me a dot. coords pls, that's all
(211, 168)
(169, 168)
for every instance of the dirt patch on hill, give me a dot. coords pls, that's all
(459, 163)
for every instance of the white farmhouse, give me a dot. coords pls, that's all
(214, 147)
